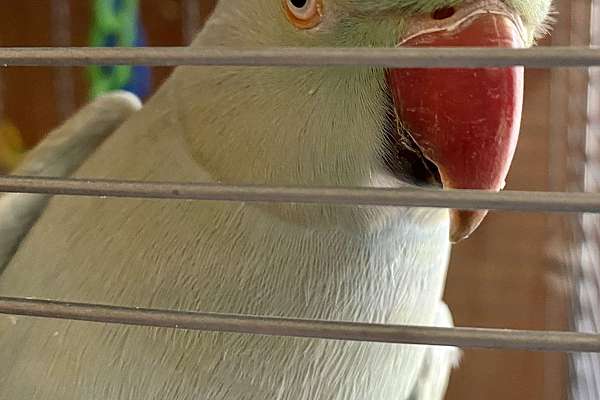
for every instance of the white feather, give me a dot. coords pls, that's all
(438, 364)
(342, 263)
(59, 154)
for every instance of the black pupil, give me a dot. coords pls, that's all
(299, 3)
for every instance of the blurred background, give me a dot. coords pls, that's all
(522, 271)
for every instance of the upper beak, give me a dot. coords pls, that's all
(464, 120)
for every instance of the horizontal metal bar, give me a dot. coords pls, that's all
(409, 197)
(202, 321)
(539, 57)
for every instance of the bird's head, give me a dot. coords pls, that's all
(360, 126)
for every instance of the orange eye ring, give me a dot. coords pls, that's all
(304, 14)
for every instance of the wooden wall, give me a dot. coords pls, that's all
(501, 277)
(30, 93)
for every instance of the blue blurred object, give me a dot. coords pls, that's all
(116, 23)
(141, 77)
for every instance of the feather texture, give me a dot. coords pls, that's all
(214, 257)
(304, 126)
(60, 153)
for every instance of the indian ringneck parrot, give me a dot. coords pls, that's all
(334, 126)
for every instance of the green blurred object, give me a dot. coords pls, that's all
(114, 24)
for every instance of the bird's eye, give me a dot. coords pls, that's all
(304, 14)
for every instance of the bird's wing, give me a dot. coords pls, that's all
(59, 155)
(438, 363)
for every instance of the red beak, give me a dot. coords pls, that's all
(465, 121)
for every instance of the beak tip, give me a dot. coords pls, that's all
(463, 223)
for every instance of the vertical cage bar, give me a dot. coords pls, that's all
(2, 93)
(60, 32)
(191, 19)
(585, 371)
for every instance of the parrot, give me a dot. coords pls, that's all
(60, 154)
(349, 126)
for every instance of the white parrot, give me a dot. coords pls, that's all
(341, 126)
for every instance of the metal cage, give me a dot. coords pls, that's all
(555, 202)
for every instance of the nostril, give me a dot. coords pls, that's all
(443, 13)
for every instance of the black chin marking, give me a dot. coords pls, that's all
(402, 156)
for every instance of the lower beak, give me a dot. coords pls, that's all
(464, 120)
